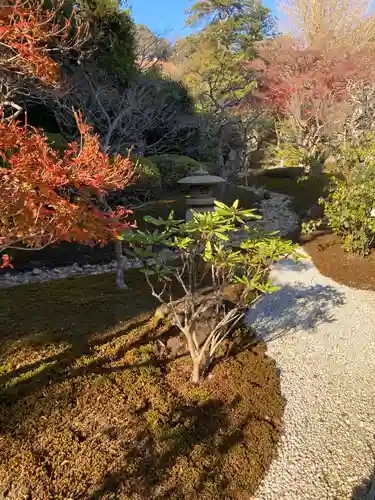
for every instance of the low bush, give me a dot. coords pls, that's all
(284, 172)
(347, 209)
(351, 197)
(173, 167)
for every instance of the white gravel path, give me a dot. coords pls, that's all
(322, 336)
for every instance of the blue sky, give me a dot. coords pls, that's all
(167, 16)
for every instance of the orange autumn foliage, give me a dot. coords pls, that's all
(45, 198)
(25, 38)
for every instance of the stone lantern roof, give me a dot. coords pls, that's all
(201, 178)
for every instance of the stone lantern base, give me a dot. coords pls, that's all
(199, 205)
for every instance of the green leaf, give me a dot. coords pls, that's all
(221, 236)
(208, 251)
(148, 272)
(221, 205)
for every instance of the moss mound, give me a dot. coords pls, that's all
(174, 167)
(92, 405)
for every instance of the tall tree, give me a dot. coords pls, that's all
(150, 47)
(347, 22)
(215, 71)
(238, 24)
(213, 11)
(112, 35)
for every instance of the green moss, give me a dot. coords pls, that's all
(90, 408)
(305, 191)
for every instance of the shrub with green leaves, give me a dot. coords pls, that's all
(347, 209)
(174, 167)
(351, 197)
(208, 258)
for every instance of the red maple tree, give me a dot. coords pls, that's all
(45, 198)
(30, 34)
(285, 69)
(309, 85)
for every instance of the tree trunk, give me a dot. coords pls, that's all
(120, 267)
(195, 374)
(118, 249)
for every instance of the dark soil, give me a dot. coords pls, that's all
(341, 266)
(66, 254)
(93, 406)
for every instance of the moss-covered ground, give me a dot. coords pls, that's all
(92, 406)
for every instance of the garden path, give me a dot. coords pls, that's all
(322, 336)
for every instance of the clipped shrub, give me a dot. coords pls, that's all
(147, 173)
(173, 167)
(284, 172)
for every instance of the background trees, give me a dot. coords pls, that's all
(150, 47)
(308, 89)
(213, 66)
(348, 23)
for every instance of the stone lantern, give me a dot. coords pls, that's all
(201, 186)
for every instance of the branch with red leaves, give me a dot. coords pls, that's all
(37, 207)
(27, 36)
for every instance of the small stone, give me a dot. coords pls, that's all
(36, 271)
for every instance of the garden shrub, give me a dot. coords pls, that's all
(284, 172)
(293, 155)
(173, 167)
(208, 253)
(147, 173)
(347, 209)
(351, 197)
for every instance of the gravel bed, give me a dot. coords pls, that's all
(322, 336)
(277, 212)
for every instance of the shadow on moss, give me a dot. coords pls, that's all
(92, 406)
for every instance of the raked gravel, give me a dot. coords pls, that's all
(322, 336)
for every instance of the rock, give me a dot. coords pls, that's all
(315, 212)
(36, 271)
(166, 254)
